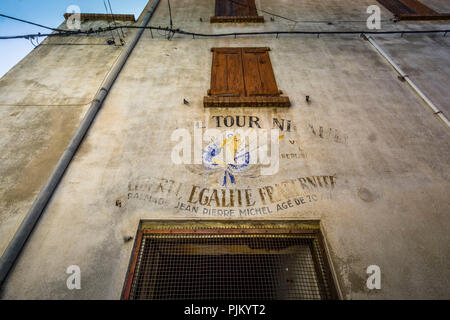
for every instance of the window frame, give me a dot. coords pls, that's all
(310, 228)
(221, 17)
(265, 80)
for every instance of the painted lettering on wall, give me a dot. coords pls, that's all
(243, 121)
(328, 133)
(232, 202)
(154, 190)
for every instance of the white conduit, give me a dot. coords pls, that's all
(404, 76)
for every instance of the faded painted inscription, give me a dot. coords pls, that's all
(233, 202)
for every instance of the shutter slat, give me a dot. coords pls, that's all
(232, 8)
(236, 8)
(258, 73)
(395, 6)
(243, 8)
(222, 7)
(252, 8)
(228, 8)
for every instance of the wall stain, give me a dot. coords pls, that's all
(372, 137)
(366, 195)
(51, 133)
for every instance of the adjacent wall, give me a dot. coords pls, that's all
(384, 155)
(42, 101)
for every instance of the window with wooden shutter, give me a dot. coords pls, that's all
(236, 11)
(243, 77)
(412, 10)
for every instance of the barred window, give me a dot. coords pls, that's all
(229, 263)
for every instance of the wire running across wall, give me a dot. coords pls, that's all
(173, 31)
(109, 23)
(228, 34)
(112, 18)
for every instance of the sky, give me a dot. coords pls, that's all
(49, 13)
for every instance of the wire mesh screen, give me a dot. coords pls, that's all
(209, 266)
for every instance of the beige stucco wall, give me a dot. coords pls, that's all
(42, 101)
(389, 155)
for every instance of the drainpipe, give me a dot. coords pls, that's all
(406, 78)
(23, 232)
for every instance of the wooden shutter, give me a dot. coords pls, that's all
(243, 8)
(251, 7)
(240, 8)
(258, 74)
(399, 7)
(243, 77)
(236, 11)
(226, 76)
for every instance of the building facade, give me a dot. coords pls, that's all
(353, 151)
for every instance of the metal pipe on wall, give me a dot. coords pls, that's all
(19, 239)
(408, 80)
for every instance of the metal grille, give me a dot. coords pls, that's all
(229, 266)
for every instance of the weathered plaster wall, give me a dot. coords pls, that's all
(387, 153)
(426, 60)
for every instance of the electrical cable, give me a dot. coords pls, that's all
(109, 22)
(170, 16)
(63, 33)
(31, 41)
(235, 34)
(115, 23)
(32, 23)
